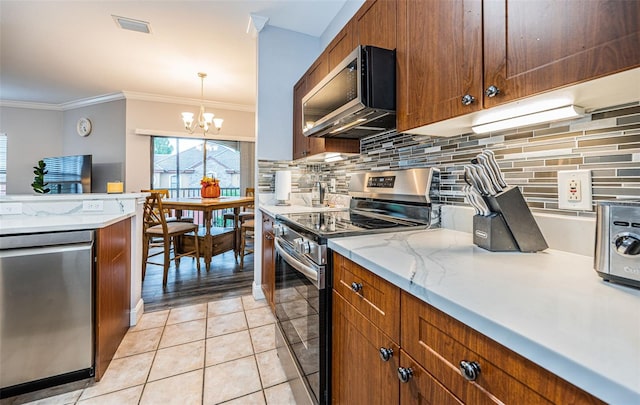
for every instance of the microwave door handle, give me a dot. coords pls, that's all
(308, 272)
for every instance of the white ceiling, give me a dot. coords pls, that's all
(57, 52)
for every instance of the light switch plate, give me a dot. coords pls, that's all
(574, 190)
(92, 205)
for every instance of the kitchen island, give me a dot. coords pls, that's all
(550, 307)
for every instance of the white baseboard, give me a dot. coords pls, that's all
(257, 291)
(136, 313)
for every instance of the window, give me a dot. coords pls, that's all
(178, 164)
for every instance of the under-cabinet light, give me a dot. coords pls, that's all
(569, 111)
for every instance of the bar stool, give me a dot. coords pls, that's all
(246, 234)
(155, 227)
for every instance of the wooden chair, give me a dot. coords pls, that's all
(167, 213)
(244, 215)
(246, 234)
(156, 227)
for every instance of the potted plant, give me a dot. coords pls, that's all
(39, 186)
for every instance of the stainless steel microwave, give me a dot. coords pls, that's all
(357, 98)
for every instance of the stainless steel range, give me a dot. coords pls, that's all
(387, 201)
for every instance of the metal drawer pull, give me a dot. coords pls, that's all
(470, 370)
(405, 374)
(386, 354)
(356, 287)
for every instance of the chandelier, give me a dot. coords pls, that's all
(205, 120)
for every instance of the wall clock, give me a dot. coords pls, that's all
(83, 126)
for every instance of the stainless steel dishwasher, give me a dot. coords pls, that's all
(46, 310)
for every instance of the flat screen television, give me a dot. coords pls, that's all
(68, 174)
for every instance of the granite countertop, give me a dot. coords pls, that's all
(551, 307)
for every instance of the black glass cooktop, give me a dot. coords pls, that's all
(344, 223)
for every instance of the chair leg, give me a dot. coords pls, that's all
(242, 244)
(197, 252)
(145, 254)
(167, 246)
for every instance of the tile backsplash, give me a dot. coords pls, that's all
(606, 141)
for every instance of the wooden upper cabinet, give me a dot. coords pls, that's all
(375, 24)
(544, 44)
(341, 46)
(300, 143)
(439, 56)
(317, 71)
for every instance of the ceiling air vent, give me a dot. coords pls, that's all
(131, 24)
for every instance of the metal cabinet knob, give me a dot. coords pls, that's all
(386, 354)
(405, 374)
(468, 99)
(470, 370)
(356, 287)
(269, 236)
(492, 91)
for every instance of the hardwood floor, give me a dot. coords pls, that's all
(185, 286)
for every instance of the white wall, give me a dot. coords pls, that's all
(106, 142)
(164, 119)
(283, 56)
(31, 135)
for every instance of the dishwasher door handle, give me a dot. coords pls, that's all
(43, 250)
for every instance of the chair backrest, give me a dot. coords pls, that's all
(164, 193)
(249, 192)
(152, 209)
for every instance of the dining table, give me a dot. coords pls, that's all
(208, 206)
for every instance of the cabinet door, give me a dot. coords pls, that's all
(317, 71)
(359, 375)
(439, 57)
(268, 260)
(376, 24)
(113, 291)
(422, 388)
(341, 46)
(300, 144)
(544, 44)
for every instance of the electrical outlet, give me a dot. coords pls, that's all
(10, 208)
(92, 205)
(574, 190)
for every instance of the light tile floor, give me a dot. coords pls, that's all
(214, 353)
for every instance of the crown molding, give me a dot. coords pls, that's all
(128, 95)
(30, 105)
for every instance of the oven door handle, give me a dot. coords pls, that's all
(308, 272)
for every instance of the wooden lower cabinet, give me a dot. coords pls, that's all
(113, 291)
(422, 387)
(359, 375)
(439, 343)
(432, 346)
(268, 260)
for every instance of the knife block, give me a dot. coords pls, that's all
(493, 234)
(518, 218)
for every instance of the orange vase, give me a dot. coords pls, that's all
(210, 191)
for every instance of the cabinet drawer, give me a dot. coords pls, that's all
(422, 388)
(222, 242)
(375, 298)
(439, 343)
